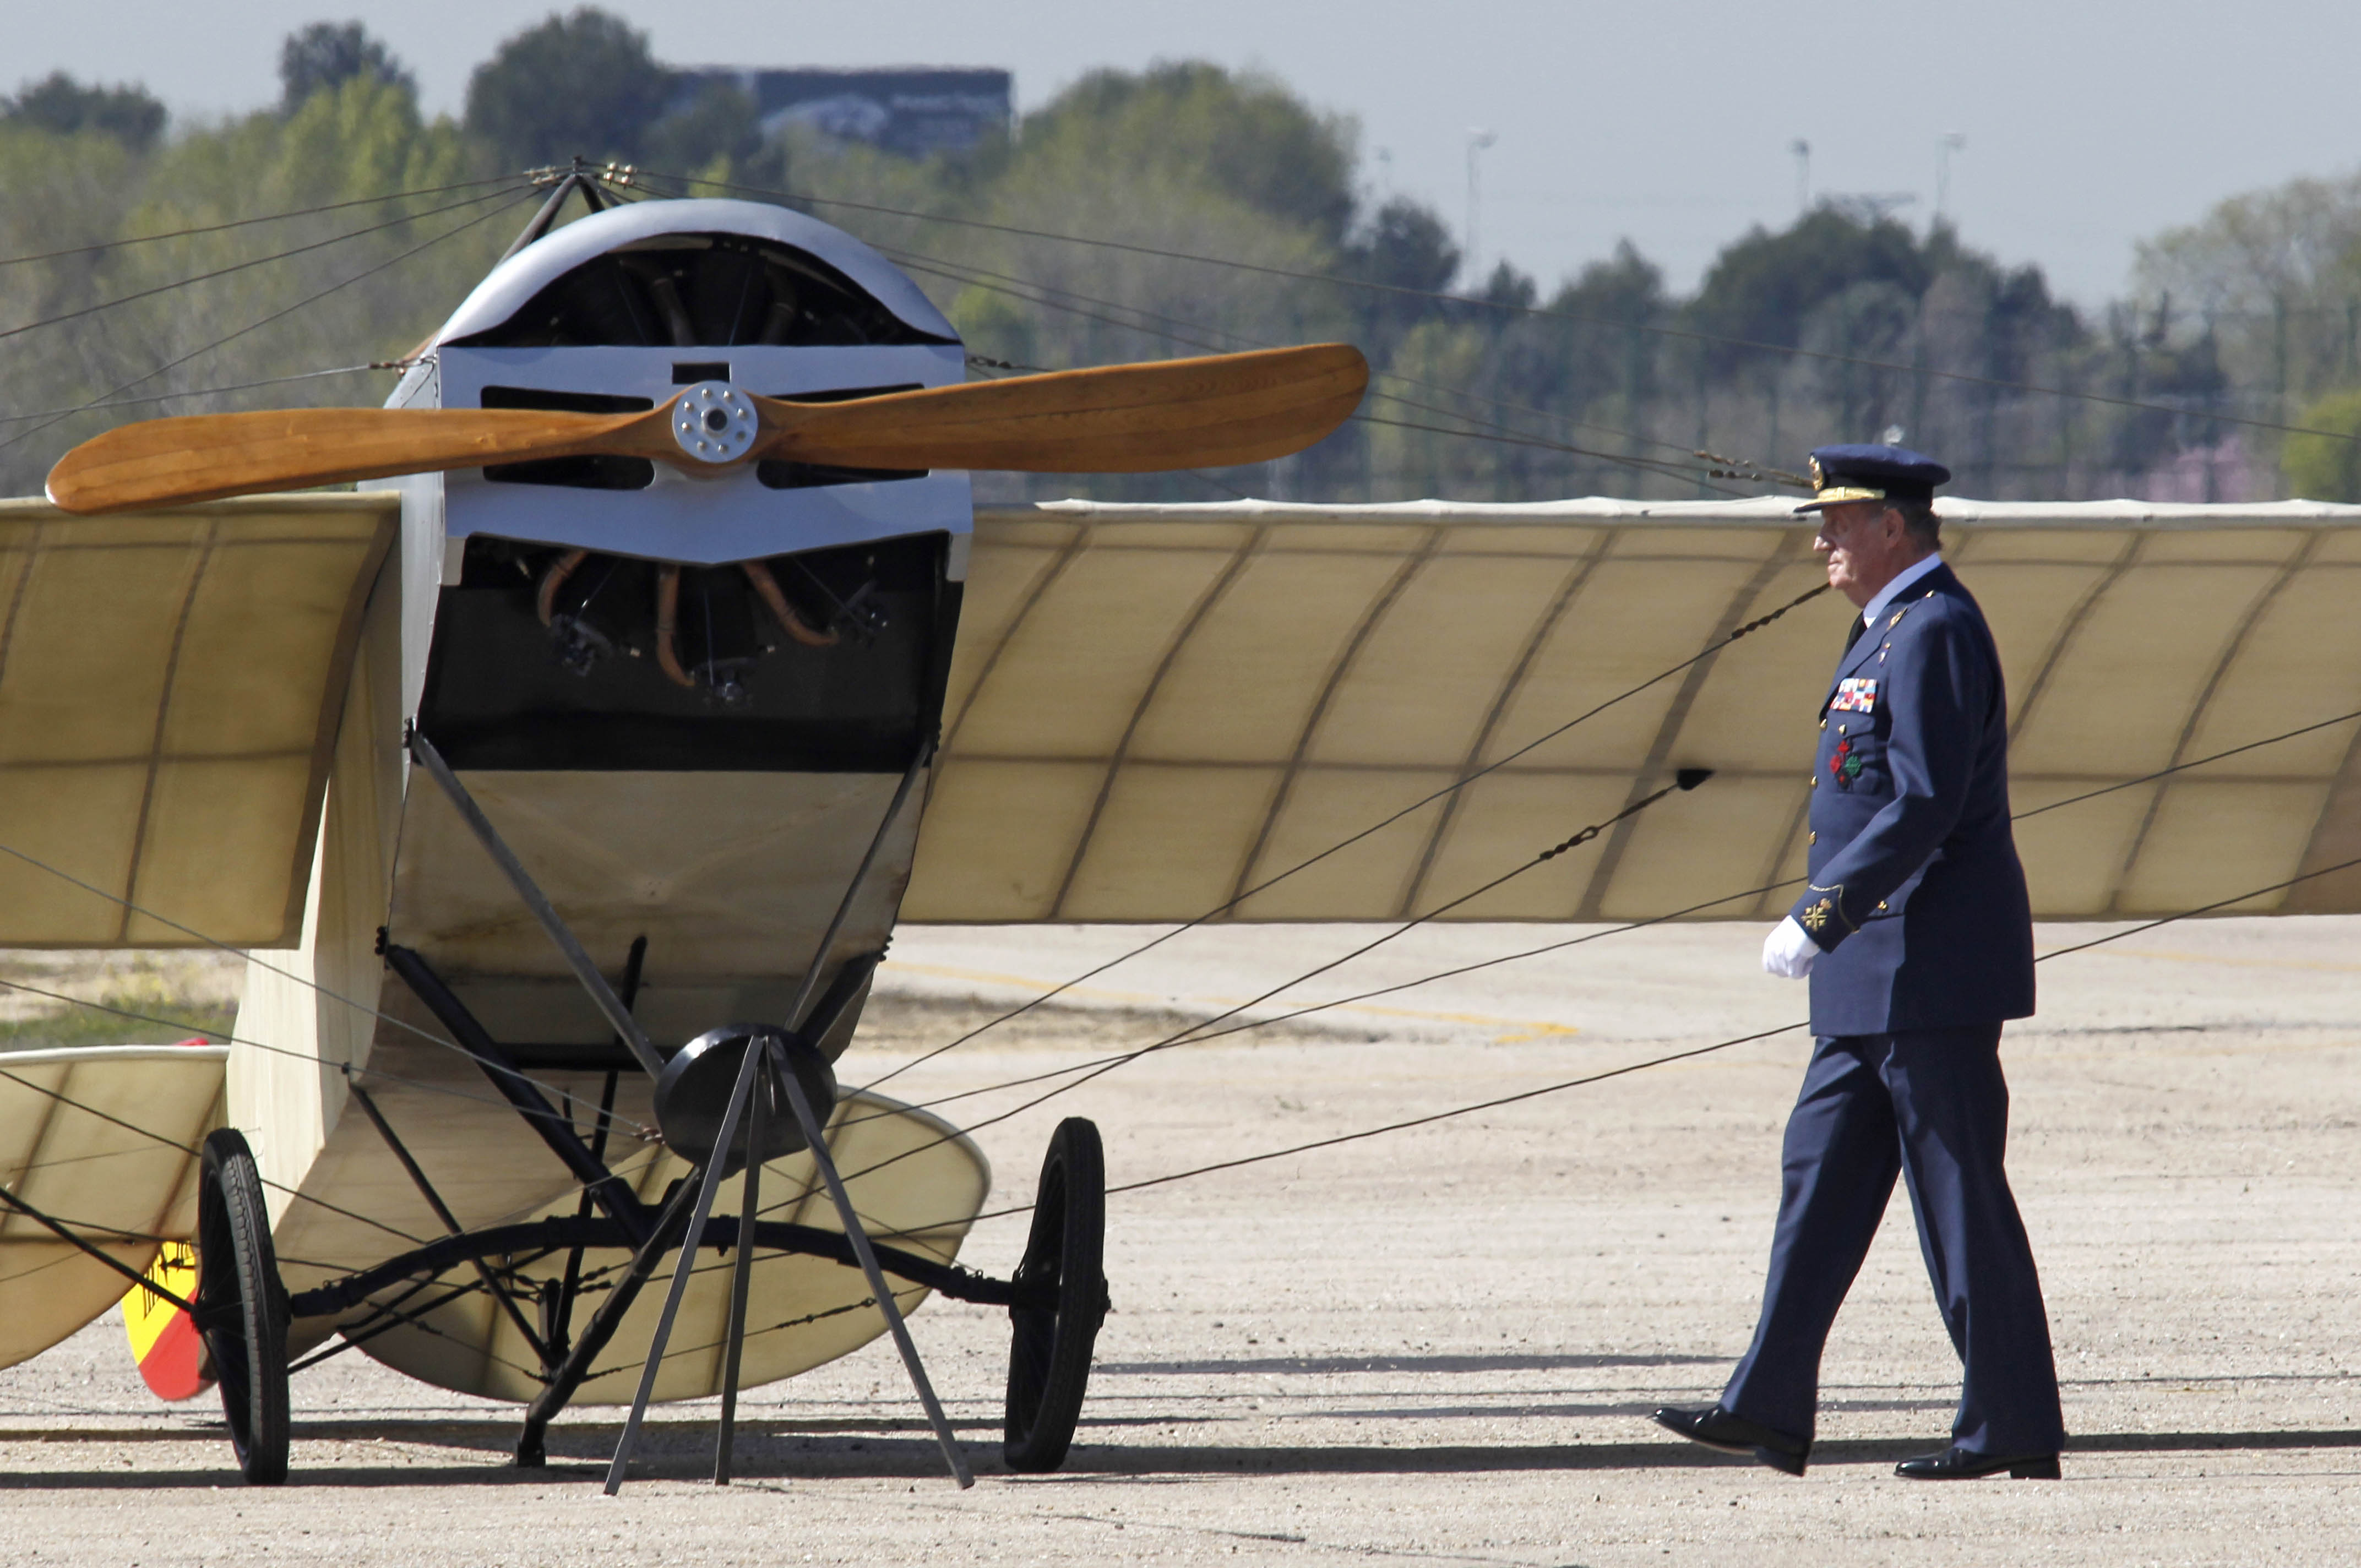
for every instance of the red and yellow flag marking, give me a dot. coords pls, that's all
(165, 1343)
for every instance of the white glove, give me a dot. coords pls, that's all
(1788, 951)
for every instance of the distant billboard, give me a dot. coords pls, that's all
(911, 111)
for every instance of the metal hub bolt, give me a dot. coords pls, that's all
(714, 422)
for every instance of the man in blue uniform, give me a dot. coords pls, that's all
(1917, 936)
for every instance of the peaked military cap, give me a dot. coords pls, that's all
(1872, 472)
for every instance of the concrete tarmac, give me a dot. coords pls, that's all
(1440, 1345)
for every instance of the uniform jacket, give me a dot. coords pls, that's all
(1915, 894)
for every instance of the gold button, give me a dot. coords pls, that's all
(1811, 838)
(1815, 781)
(1840, 728)
(1880, 904)
(1824, 724)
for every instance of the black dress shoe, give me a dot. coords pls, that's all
(1717, 1428)
(1957, 1464)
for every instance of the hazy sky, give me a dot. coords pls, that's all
(2087, 125)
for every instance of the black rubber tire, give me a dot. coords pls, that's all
(1065, 1266)
(241, 1306)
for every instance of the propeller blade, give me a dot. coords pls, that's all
(202, 457)
(1118, 419)
(1180, 413)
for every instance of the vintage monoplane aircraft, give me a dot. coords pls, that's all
(663, 606)
(603, 728)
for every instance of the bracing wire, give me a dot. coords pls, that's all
(957, 272)
(1085, 1073)
(1757, 624)
(1663, 1061)
(249, 223)
(961, 271)
(1470, 302)
(1182, 1037)
(1271, 1021)
(1197, 1034)
(1190, 1034)
(515, 199)
(1493, 430)
(634, 1129)
(2126, 784)
(1587, 937)
(68, 1099)
(637, 1129)
(78, 314)
(202, 391)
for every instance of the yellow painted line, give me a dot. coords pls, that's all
(1529, 1028)
(1026, 982)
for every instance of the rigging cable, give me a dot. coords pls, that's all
(1089, 1070)
(283, 312)
(247, 222)
(205, 391)
(1588, 936)
(950, 270)
(1688, 779)
(1678, 1056)
(1749, 627)
(63, 1098)
(77, 315)
(639, 1131)
(1689, 473)
(1477, 303)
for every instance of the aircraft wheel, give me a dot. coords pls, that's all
(241, 1306)
(1064, 1271)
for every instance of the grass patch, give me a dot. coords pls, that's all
(90, 1026)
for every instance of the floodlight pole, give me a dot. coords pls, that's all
(1946, 144)
(1479, 138)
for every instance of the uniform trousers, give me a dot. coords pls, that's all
(1932, 1104)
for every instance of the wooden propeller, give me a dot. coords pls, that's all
(1178, 413)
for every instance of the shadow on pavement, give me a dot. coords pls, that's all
(1430, 1363)
(771, 1452)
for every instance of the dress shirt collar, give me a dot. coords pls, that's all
(1877, 607)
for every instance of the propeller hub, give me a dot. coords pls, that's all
(713, 422)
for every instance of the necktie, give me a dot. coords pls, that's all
(1854, 632)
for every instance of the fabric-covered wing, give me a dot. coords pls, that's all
(169, 683)
(1156, 709)
(100, 1138)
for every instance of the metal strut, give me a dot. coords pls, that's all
(721, 1233)
(555, 1129)
(705, 1179)
(742, 1285)
(60, 1229)
(770, 1050)
(710, 1180)
(577, 958)
(531, 1450)
(855, 1233)
(501, 1293)
(560, 1312)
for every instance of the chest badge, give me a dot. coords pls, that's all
(1845, 764)
(1855, 694)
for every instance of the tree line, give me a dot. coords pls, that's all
(1229, 213)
